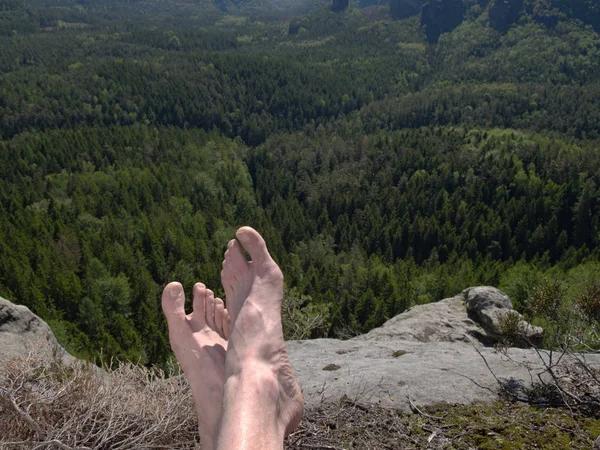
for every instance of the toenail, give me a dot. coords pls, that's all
(175, 290)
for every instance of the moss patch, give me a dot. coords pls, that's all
(500, 426)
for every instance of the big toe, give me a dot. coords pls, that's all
(173, 303)
(234, 261)
(254, 244)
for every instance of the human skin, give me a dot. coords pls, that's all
(235, 359)
(262, 401)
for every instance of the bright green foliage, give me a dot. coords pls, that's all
(303, 319)
(518, 282)
(108, 223)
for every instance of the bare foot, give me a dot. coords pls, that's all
(198, 341)
(254, 294)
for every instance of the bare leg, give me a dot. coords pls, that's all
(262, 400)
(198, 342)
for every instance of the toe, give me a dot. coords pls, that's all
(225, 279)
(234, 261)
(198, 317)
(173, 305)
(226, 324)
(219, 316)
(210, 309)
(254, 244)
(233, 265)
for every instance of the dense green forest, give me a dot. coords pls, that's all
(390, 156)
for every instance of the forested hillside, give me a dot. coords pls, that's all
(385, 168)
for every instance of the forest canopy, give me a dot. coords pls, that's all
(385, 168)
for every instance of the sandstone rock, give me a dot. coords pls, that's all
(486, 297)
(474, 313)
(441, 16)
(443, 321)
(22, 332)
(339, 5)
(488, 306)
(433, 353)
(428, 372)
(401, 9)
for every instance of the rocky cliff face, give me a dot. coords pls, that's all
(339, 5)
(504, 13)
(433, 353)
(22, 332)
(441, 16)
(401, 9)
(588, 11)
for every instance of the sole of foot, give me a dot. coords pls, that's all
(198, 341)
(254, 295)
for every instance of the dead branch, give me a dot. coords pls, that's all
(416, 410)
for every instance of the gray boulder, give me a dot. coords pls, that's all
(489, 306)
(434, 353)
(443, 321)
(390, 372)
(485, 297)
(474, 313)
(22, 333)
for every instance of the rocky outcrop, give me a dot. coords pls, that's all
(22, 332)
(339, 5)
(504, 13)
(401, 9)
(489, 307)
(441, 16)
(443, 321)
(474, 313)
(386, 372)
(433, 353)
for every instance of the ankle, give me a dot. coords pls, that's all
(208, 438)
(255, 381)
(251, 406)
(252, 372)
(257, 385)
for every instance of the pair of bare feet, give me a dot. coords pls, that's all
(234, 358)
